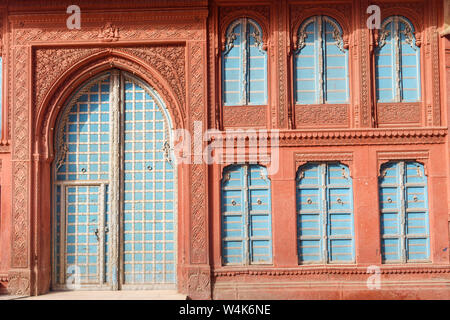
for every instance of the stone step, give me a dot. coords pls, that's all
(108, 295)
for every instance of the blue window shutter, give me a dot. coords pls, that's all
(233, 215)
(257, 76)
(310, 211)
(391, 204)
(340, 214)
(410, 64)
(325, 213)
(306, 65)
(246, 216)
(385, 57)
(416, 210)
(232, 62)
(404, 212)
(260, 220)
(335, 64)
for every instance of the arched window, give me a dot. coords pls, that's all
(325, 214)
(320, 63)
(404, 212)
(246, 215)
(397, 62)
(244, 65)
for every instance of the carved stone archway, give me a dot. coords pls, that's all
(57, 72)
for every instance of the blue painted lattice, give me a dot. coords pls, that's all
(325, 214)
(149, 221)
(246, 216)
(404, 212)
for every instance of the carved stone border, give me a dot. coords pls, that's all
(32, 31)
(330, 270)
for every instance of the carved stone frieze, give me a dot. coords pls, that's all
(327, 270)
(321, 115)
(399, 113)
(244, 116)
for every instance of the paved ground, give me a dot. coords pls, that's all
(104, 295)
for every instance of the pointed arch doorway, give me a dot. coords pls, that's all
(114, 188)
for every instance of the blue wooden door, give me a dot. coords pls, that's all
(404, 212)
(325, 214)
(81, 175)
(114, 188)
(246, 215)
(148, 191)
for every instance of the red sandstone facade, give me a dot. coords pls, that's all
(175, 46)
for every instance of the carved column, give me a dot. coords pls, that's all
(198, 277)
(363, 109)
(20, 275)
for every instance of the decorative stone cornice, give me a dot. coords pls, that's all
(313, 137)
(306, 270)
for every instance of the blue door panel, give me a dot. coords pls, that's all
(148, 191)
(308, 200)
(390, 248)
(233, 252)
(340, 250)
(83, 222)
(390, 223)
